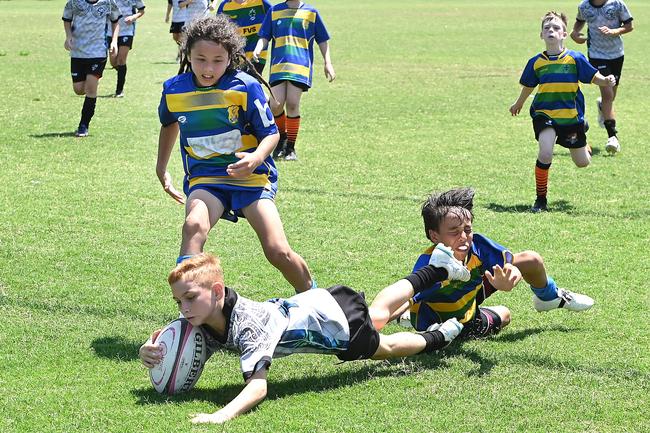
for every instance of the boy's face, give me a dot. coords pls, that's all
(456, 233)
(553, 31)
(195, 302)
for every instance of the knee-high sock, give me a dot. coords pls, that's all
(293, 125)
(88, 110)
(121, 78)
(610, 126)
(541, 178)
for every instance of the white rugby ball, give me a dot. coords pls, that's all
(183, 356)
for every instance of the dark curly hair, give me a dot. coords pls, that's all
(220, 30)
(457, 202)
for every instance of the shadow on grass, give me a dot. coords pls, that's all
(556, 206)
(116, 348)
(52, 134)
(287, 387)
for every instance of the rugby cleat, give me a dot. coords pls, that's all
(540, 205)
(291, 156)
(82, 131)
(449, 329)
(613, 146)
(443, 257)
(565, 299)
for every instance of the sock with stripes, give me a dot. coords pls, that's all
(293, 125)
(541, 178)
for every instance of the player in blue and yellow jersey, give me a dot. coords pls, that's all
(558, 108)
(293, 26)
(448, 220)
(248, 15)
(84, 22)
(227, 134)
(131, 11)
(607, 21)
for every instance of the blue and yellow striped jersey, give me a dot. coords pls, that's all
(457, 299)
(293, 32)
(559, 97)
(248, 16)
(215, 122)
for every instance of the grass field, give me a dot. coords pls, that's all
(87, 235)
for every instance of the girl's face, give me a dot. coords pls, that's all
(194, 301)
(456, 233)
(209, 62)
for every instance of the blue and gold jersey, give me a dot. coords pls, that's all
(293, 32)
(215, 122)
(248, 16)
(457, 299)
(559, 97)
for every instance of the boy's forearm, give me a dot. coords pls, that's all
(249, 397)
(325, 51)
(116, 30)
(67, 26)
(267, 145)
(525, 93)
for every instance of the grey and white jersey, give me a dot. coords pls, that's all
(196, 9)
(127, 8)
(89, 26)
(309, 322)
(179, 15)
(612, 14)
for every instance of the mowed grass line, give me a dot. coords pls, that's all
(87, 235)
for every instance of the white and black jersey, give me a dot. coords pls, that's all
(309, 322)
(127, 8)
(612, 14)
(196, 9)
(88, 21)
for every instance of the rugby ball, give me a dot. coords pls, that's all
(183, 355)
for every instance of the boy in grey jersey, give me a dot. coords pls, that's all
(84, 22)
(606, 21)
(131, 11)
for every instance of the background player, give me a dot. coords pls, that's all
(606, 21)
(293, 26)
(85, 26)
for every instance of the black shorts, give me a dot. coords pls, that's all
(485, 323)
(79, 68)
(569, 136)
(177, 27)
(609, 66)
(364, 338)
(301, 86)
(122, 41)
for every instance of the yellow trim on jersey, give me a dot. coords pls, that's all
(254, 181)
(233, 6)
(302, 14)
(454, 306)
(558, 88)
(248, 142)
(292, 41)
(205, 100)
(290, 68)
(564, 113)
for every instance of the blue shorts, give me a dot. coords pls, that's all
(235, 199)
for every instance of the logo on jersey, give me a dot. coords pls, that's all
(233, 114)
(252, 14)
(182, 119)
(305, 24)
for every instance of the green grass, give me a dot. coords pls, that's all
(420, 103)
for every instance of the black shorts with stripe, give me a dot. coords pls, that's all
(364, 338)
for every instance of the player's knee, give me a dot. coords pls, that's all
(79, 90)
(545, 156)
(194, 226)
(293, 107)
(504, 315)
(378, 316)
(582, 163)
(278, 255)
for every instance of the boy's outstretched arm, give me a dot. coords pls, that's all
(525, 93)
(249, 397)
